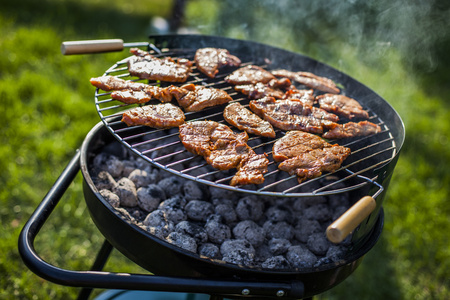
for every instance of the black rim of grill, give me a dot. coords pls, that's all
(163, 148)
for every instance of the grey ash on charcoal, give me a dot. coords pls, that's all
(254, 231)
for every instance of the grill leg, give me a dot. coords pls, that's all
(99, 263)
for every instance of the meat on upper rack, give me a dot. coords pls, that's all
(210, 60)
(243, 119)
(223, 149)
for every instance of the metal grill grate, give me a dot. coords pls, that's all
(163, 148)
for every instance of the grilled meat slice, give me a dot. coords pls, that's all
(195, 97)
(223, 149)
(200, 137)
(146, 66)
(142, 96)
(209, 60)
(250, 170)
(342, 106)
(243, 119)
(309, 79)
(292, 114)
(305, 96)
(157, 116)
(294, 143)
(249, 75)
(311, 164)
(113, 83)
(274, 88)
(352, 129)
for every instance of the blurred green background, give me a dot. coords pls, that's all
(398, 48)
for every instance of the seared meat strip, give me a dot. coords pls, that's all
(292, 114)
(305, 96)
(250, 170)
(195, 97)
(142, 96)
(157, 116)
(223, 149)
(342, 106)
(274, 88)
(309, 79)
(243, 119)
(351, 129)
(294, 143)
(113, 83)
(311, 164)
(146, 66)
(249, 75)
(209, 60)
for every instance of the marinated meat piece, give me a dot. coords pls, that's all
(275, 88)
(292, 114)
(200, 137)
(223, 149)
(250, 170)
(157, 116)
(312, 163)
(146, 66)
(249, 75)
(351, 129)
(195, 97)
(342, 106)
(209, 60)
(309, 79)
(243, 119)
(113, 83)
(305, 96)
(295, 143)
(142, 96)
(131, 97)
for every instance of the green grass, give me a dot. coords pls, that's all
(47, 109)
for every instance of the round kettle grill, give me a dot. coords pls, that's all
(367, 171)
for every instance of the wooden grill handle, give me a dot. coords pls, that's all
(346, 223)
(91, 46)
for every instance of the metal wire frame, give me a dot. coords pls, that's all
(163, 149)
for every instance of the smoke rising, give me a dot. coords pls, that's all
(416, 28)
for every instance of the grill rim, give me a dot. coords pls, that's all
(396, 142)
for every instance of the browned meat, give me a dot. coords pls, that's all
(309, 79)
(352, 129)
(295, 143)
(249, 75)
(142, 96)
(274, 88)
(292, 114)
(305, 96)
(342, 106)
(201, 137)
(250, 170)
(157, 116)
(243, 119)
(209, 60)
(223, 149)
(195, 97)
(146, 66)
(113, 83)
(311, 164)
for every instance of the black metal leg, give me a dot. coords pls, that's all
(98, 265)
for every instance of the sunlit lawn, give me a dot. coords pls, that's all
(47, 108)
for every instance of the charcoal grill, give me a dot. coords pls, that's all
(366, 172)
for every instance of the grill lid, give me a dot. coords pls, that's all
(163, 148)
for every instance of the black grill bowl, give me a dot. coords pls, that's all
(163, 258)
